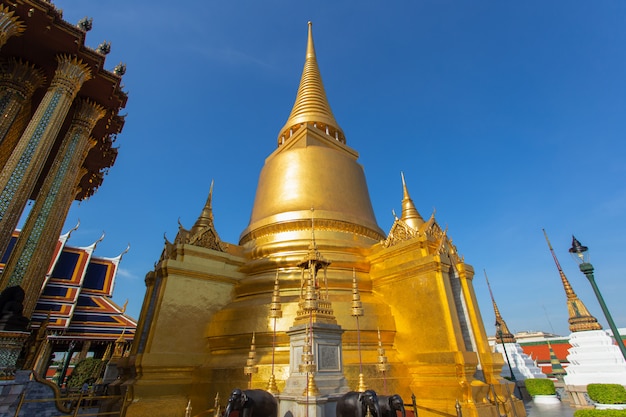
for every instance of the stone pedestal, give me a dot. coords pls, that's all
(327, 353)
(594, 358)
(11, 344)
(302, 406)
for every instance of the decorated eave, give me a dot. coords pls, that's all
(46, 36)
(76, 298)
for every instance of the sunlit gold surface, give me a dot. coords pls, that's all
(420, 312)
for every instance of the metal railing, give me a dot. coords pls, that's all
(75, 405)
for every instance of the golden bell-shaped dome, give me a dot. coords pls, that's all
(312, 168)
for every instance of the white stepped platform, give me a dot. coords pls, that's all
(594, 358)
(523, 366)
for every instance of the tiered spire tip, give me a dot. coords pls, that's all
(311, 106)
(410, 215)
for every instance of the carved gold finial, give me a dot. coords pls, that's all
(251, 367)
(383, 364)
(313, 305)
(362, 387)
(307, 364)
(503, 335)
(410, 215)
(357, 311)
(311, 106)
(357, 305)
(311, 388)
(276, 312)
(580, 319)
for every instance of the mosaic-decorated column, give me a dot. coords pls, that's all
(9, 25)
(20, 173)
(18, 82)
(45, 221)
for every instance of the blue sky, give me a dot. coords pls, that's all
(505, 117)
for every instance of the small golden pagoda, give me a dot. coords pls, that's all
(206, 298)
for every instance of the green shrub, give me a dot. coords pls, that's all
(540, 386)
(87, 369)
(607, 393)
(599, 413)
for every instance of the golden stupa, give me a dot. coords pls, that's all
(206, 299)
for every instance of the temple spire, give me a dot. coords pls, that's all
(504, 335)
(410, 215)
(579, 317)
(311, 106)
(206, 216)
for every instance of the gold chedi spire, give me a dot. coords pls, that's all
(579, 317)
(503, 334)
(410, 215)
(312, 167)
(311, 105)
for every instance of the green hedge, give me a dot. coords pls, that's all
(85, 370)
(600, 413)
(607, 393)
(540, 386)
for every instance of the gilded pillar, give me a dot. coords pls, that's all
(9, 25)
(45, 221)
(18, 82)
(19, 175)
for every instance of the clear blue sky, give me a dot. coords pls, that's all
(506, 117)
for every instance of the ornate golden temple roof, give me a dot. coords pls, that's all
(311, 104)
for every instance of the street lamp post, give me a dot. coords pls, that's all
(581, 255)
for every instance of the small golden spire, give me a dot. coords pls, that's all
(357, 311)
(383, 364)
(410, 215)
(276, 312)
(311, 105)
(357, 305)
(580, 319)
(251, 367)
(206, 216)
(307, 364)
(503, 334)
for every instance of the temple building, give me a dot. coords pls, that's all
(60, 112)
(75, 315)
(330, 301)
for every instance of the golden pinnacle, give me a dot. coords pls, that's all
(311, 389)
(272, 388)
(362, 387)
